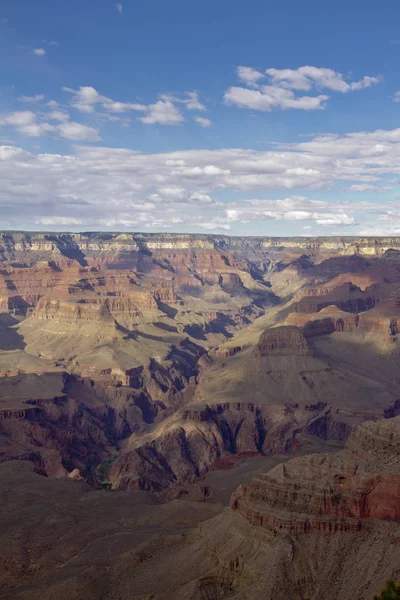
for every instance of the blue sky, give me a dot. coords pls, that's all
(250, 118)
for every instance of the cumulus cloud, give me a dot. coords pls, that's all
(270, 97)
(284, 88)
(305, 78)
(36, 129)
(58, 115)
(18, 118)
(119, 7)
(108, 187)
(203, 122)
(37, 98)
(163, 112)
(31, 124)
(365, 82)
(249, 75)
(86, 98)
(39, 51)
(78, 132)
(295, 208)
(191, 101)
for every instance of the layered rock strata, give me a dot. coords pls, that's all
(328, 493)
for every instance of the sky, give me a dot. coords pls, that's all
(224, 117)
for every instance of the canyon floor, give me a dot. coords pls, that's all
(198, 417)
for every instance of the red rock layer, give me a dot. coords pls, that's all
(330, 493)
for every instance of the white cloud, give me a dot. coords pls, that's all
(18, 118)
(25, 122)
(28, 123)
(267, 210)
(365, 82)
(39, 51)
(201, 198)
(36, 129)
(249, 75)
(281, 90)
(78, 132)
(164, 113)
(36, 98)
(269, 97)
(305, 78)
(119, 7)
(58, 115)
(377, 230)
(200, 189)
(203, 122)
(57, 221)
(214, 225)
(86, 98)
(192, 101)
(367, 187)
(335, 219)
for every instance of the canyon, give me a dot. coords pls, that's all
(218, 412)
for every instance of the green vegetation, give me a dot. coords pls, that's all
(102, 472)
(390, 592)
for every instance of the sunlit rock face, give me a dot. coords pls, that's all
(282, 341)
(188, 348)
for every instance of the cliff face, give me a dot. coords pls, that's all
(161, 357)
(316, 528)
(184, 447)
(150, 319)
(88, 242)
(282, 341)
(330, 493)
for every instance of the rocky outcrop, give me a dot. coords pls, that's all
(348, 298)
(75, 428)
(386, 326)
(17, 414)
(327, 493)
(185, 446)
(146, 319)
(327, 321)
(20, 242)
(282, 341)
(60, 311)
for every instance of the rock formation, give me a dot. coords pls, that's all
(330, 493)
(317, 527)
(282, 341)
(177, 350)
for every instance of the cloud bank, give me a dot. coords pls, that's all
(100, 187)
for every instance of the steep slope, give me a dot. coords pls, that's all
(316, 527)
(268, 397)
(320, 526)
(196, 347)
